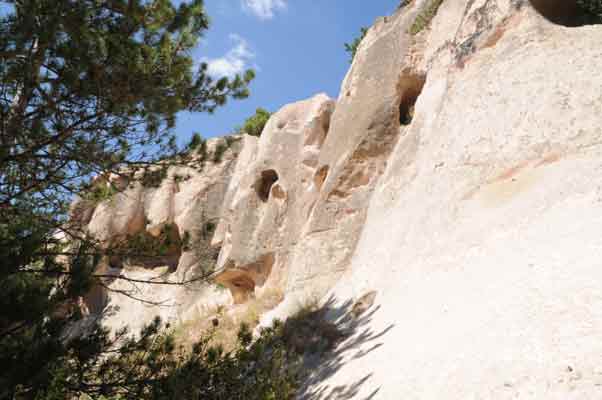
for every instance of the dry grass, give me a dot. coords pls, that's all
(425, 16)
(223, 324)
(307, 332)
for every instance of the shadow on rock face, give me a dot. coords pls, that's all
(357, 340)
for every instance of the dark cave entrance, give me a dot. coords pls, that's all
(570, 13)
(264, 184)
(411, 87)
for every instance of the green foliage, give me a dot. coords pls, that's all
(100, 192)
(195, 141)
(204, 252)
(31, 339)
(219, 151)
(180, 178)
(592, 10)
(277, 357)
(153, 177)
(66, 78)
(257, 369)
(144, 244)
(254, 125)
(352, 47)
(152, 366)
(230, 140)
(425, 16)
(202, 149)
(87, 88)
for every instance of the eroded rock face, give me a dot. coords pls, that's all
(372, 113)
(300, 207)
(452, 195)
(176, 215)
(481, 236)
(270, 198)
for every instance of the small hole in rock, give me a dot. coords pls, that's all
(326, 125)
(411, 87)
(264, 184)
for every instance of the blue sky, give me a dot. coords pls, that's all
(295, 46)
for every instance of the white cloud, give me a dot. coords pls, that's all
(264, 9)
(236, 61)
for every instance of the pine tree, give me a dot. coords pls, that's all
(352, 47)
(87, 87)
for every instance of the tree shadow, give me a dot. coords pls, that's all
(359, 340)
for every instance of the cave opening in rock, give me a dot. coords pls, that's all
(242, 281)
(410, 88)
(571, 13)
(264, 184)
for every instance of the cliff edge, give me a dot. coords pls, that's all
(452, 192)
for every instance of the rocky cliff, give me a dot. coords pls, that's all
(453, 187)
(170, 213)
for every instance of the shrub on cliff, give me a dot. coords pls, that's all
(254, 125)
(195, 141)
(424, 18)
(219, 151)
(152, 178)
(352, 47)
(144, 244)
(100, 192)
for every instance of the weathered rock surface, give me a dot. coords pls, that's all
(271, 197)
(482, 234)
(330, 162)
(452, 194)
(185, 205)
